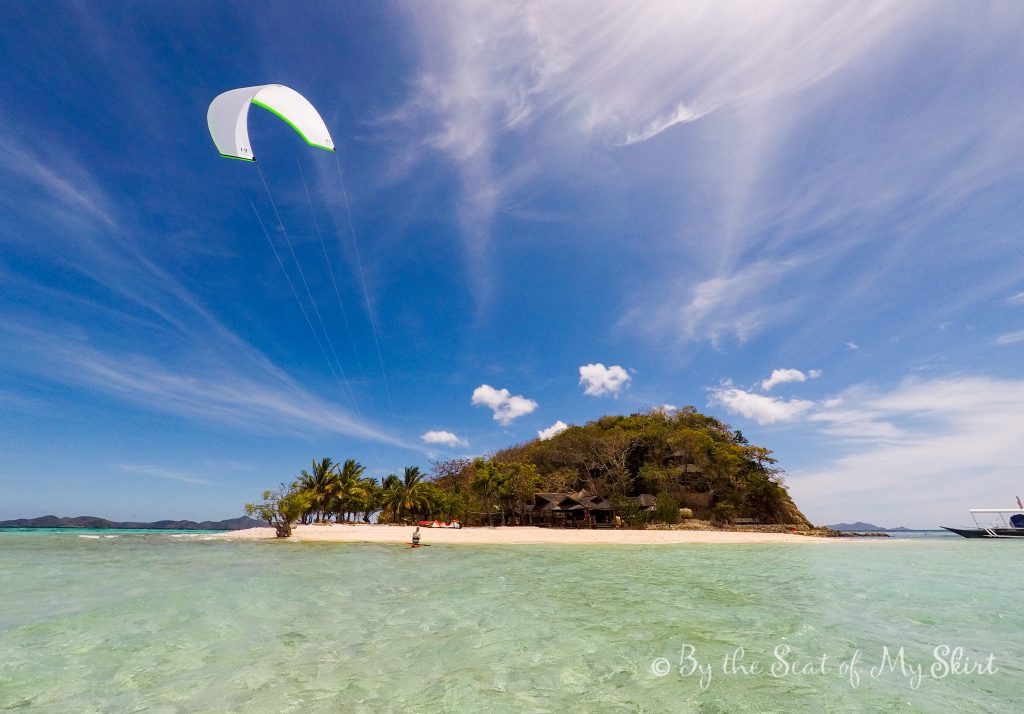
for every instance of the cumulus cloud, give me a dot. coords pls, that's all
(781, 376)
(443, 437)
(853, 345)
(557, 428)
(506, 407)
(599, 380)
(762, 409)
(666, 408)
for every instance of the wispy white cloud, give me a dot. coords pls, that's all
(632, 71)
(780, 216)
(23, 403)
(783, 376)
(238, 390)
(681, 115)
(55, 178)
(181, 357)
(1009, 338)
(715, 308)
(947, 444)
(850, 419)
(506, 407)
(160, 472)
(557, 428)
(239, 466)
(598, 380)
(445, 438)
(1017, 299)
(499, 85)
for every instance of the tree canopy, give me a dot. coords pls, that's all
(695, 459)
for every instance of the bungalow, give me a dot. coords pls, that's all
(565, 510)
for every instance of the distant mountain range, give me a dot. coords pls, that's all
(861, 527)
(231, 524)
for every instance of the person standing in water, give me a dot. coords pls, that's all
(416, 536)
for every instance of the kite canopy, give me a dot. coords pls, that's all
(228, 117)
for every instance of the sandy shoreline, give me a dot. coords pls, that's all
(521, 535)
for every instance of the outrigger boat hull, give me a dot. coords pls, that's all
(996, 523)
(987, 533)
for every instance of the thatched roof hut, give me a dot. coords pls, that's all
(570, 509)
(548, 501)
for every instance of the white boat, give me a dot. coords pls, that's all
(994, 523)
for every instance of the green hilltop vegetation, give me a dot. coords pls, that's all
(682, 460)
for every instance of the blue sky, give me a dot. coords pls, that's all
(805, 220)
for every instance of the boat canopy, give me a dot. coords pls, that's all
(1008, 518)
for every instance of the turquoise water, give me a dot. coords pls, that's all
(159, 623)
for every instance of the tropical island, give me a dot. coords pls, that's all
(684, 471)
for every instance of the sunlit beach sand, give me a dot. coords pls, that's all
(516, 535)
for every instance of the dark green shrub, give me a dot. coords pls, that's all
(666, 509)
(631, 514)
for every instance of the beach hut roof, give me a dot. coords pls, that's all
(591, 501)
(548, 501)
(569, 502)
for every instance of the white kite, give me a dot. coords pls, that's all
(228, 117)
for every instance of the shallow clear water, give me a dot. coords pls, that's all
(178, 623)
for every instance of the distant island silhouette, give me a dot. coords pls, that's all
(861, 527)
(231, 524)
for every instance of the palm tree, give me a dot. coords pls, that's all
(370, 503)
(319, 485)
(349, 489)
(487, 481)
(392, 497)
(408, 495)
(419, 493)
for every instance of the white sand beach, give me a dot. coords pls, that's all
(515, 535)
